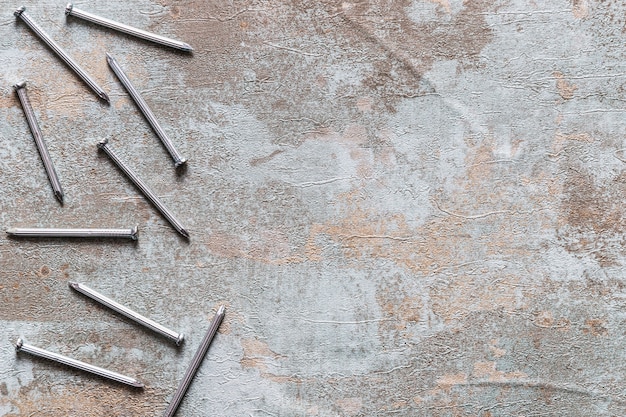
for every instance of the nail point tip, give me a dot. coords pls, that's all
(18, 344)
(184, 233)
(221, 310)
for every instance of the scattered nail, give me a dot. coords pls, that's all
(20, 89)
(195, 364)
(145, 110)
(125, 311)
(147, 192)
(70, 10)
(62, 232)
(20, 346)
(60, 53)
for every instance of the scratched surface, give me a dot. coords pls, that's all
(408, 207)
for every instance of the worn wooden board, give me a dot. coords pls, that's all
(408, 208)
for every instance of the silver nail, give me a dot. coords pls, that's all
(20, 89)
(60, 52)
(147, 192)
(70, 10)
(62, 232)
(125, 311)
(143, 106)
(195, 364)
(20, 346)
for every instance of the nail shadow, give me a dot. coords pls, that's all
(77, 240)
(181, 170)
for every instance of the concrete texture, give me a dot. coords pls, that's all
(408, 207)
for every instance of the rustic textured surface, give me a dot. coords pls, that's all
(408, 207)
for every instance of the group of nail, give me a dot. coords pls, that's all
(173, 336)
(20, 89)
(130, 233)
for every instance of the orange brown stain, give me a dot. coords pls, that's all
(87, 398)
(596, 327)
(563, 86)
(350, 406)
(495, 350)
(256, 353)
(488, 370)
(580, 8)
(447, 381)
(444, 4)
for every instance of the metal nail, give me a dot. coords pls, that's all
(70, 10)
(20, 89)
(125, 311)
(143, 106)
(20, 346)
(147, 192)
(60, 52)
(195, 364)
(62, 232)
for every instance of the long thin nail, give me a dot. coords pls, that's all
(125, 311)
(20, 346)
(147, 192)
(60, 53)
(61, 232)
(70, 10)
(143, 106)
(195, 364)
(20, 89)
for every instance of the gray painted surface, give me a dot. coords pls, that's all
(408, 208)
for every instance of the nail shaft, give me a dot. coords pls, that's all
(86, 233)
(145, 110)
(125, 311)
(60, 52)
(195, 364)
(20, 346)
(147, 192)
(70, 10)
(20, 89)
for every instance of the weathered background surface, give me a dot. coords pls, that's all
(408, 207)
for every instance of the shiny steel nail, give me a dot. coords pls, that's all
(147, 192)
(20, 89)
(61, 232)
(60, 52)
(125, 311)
(70, 10)
(143, 106)
(195, 364)
(20, 346)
